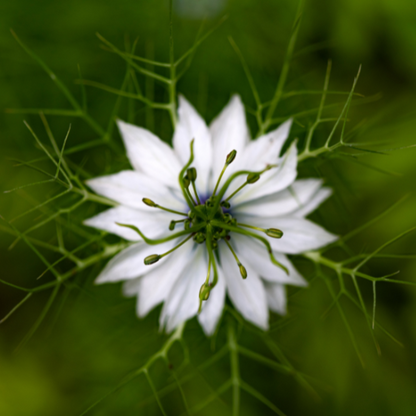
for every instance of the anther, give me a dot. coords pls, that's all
(149, 202)
(152, 204)
(204, 292)
(191, 174)
(154, 258)
(274, 233)
(230, 157)
(243, 271)
(252, 178)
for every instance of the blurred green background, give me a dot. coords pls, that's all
(91, 337)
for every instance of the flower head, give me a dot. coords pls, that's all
(214, 215)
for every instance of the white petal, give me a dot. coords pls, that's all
(182, 302)
(314, 203)
(129, 188)
(299, 234)
(273, 180)
(252, 252)
(150, 155)
(129, 264)
(154, 287)
(266, 149)
(248, 295)
(276, 297)
(229, 132)
(295, 198)
(191, 126)
(131, 287)
(152, 224)
(213, 307)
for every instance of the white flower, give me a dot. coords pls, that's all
(276, 200)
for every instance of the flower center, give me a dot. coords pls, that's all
(210, 220)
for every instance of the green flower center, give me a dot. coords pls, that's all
(208, 223)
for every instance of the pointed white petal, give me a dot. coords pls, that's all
(299, 234)
(150, 155)
(252, 252)
(129, 188)
(131, 287)
(266, 149)
(129, 264)
(191, 126)
(182, 302)
(276, 297)
(152, 224)
(213, 307)
(272, 181)
(292, 199)
(313, 203)
(229, 132)
(248, 295)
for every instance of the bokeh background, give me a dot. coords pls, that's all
(91, 337)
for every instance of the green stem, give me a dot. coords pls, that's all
(196, 193)
(176, 247)
(237, 190)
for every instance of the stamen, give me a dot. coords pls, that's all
(152, 204)
(251, 178)
(192, 175)
(229, 159)
(205, 289)
(271, 232)
(235, 175)
(187, 197)
(243, 270)
(238, 230)
(155, 242)
(173, 223)
(154, 258)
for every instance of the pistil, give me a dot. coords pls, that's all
(243, 270)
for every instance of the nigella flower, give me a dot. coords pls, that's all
(212, 216)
